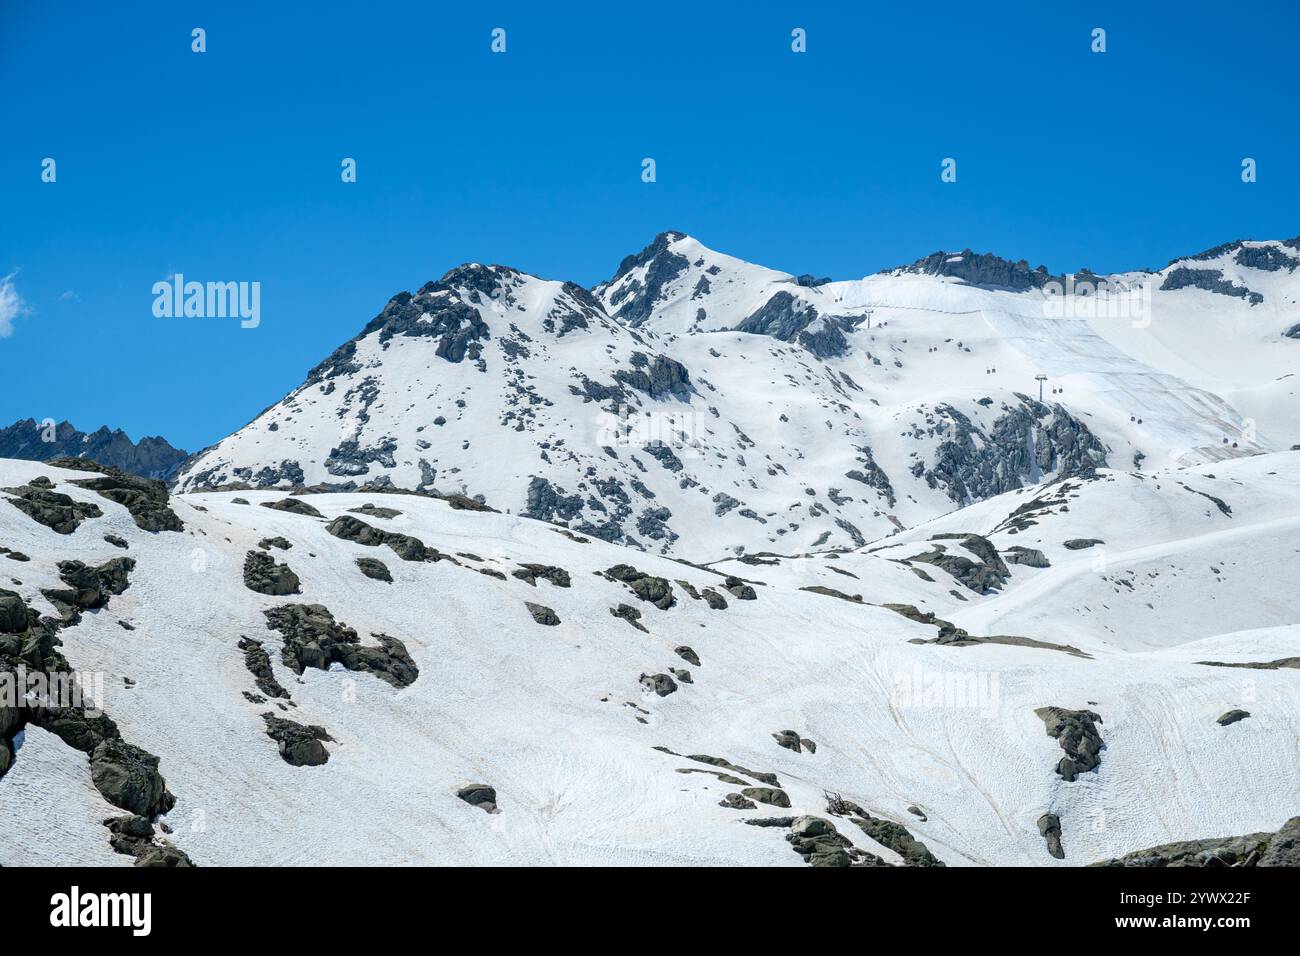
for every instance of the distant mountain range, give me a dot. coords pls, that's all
(31, 440)
(695, 402)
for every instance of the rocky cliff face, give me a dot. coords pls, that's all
(33, 441)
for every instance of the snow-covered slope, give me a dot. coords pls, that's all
(578, 712)
(697, 403)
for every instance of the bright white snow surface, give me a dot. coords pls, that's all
(549, 715)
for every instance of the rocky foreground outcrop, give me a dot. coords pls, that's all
(1255, 849)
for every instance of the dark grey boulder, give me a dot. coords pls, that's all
(1030, 557)
(479, 795)
(769, 795)
(630, 614)
(734, 801)
(300, 745)
(128, 778)
(374, 511)
(1049, 827)
(661, 684)
(687, 654)
(1232, 716)
(263, 574)
(651, 589)
(740, 589)
(374, 568)
(294, 506)
(542, 614)
(1080, 544)
(266, 544)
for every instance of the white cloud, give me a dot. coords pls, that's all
(11, 305)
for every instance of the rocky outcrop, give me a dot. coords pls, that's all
(57, 511)
(651, 589)
(144, 498)
(1030, 440)
(263, 574)
(989, 573)
(134, 836)
(547, 572)
(258, 662)
(300, 745)
(1254, 849)
(1232, 716)
(89, 588)
(1210, 280)
(404, 546)
(660, 377)
(128, 778)
(312, 638)
(982, 269)
(1076, 732)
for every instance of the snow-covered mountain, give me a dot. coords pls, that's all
(695, 403)
(1075, 672)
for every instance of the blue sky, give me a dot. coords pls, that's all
(225, 165)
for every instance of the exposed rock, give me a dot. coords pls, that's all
(734, 801)
(479, 795)
(258, 662)
(687, 654)
(134, 836)
(549, 572)
(542, 614)
(145, 498)
(1031, 557)
(266, 544)
(294, 506)
(373, 511)
(313, 639)
(1076, 732)
(374, 568)
(55, 510)
(661, 684)
(128, 778)
(651, 589)
(790, 740)
(1049, 827)
(1255, 849)
(300, 744)
(1232, 716)
(896, 837)
(265, 576)
(739, 589)
(404, 546)
(29, 440)
(769, 795)
(630, 614)
(116, 542)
